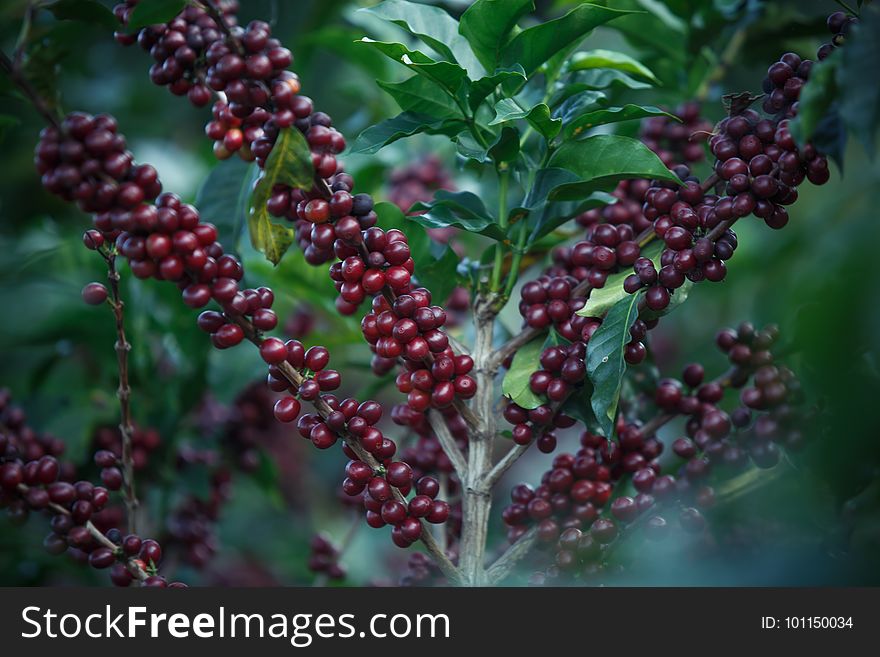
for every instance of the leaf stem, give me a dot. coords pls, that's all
(503, 180)
(848, 8)
(518, 252)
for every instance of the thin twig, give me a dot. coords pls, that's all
(513, 345)
(126, 428)
(296, 378)
(447, 442)
(505, 463)
(131, 564)
(212, 11)
(709, 182)
(504, 564)
(18, 77)
(440, 530)
(458, 346)
(24, 34)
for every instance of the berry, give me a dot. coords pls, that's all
(94, 294)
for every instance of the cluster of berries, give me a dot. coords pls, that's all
(33, 479)
(261, 100)
(417, 182)
(324, 558)
(839, 24)
(678, 142)
(578, 508)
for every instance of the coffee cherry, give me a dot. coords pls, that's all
(94, 294)
(399, 474)
(379, 489)
(150, 551)
(603, 530)
(439, 512)
(102, 558)
(273, 351)
(287, 409)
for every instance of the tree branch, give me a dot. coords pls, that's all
(131, 564)
(213, 12)
(296, 378)
(447, 442)
(504, 564)
(504, 464)
(476, 497)
(123, 392)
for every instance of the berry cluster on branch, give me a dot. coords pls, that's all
(583, 507)
(34, 480)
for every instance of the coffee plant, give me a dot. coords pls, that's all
(558, 182)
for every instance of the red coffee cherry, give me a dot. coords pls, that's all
(287, 409)
(273, 351)
(94, 294)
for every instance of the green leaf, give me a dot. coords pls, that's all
(545, 215)
(554, 215)
(151, 12)
(816, 98)
(592, 59)
(506, 147)
(463, 210)
(420, 95)
(439, 274)
(469, 148)
(546, 180)
(597, 79)
(603, 298)
(516, 381)
(481, 88)
(403, 125)
(224, 196)
(860, 104)
(446, 74)
(270, 239)
(535, 45)
(578, 405)
(432, 25)
(605, 363)
(656, 30)
(289, 163)
(603, 160)
(486, 25)
(627, 112)
(578, 104)
(87, 11)
(538, 116)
